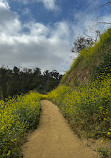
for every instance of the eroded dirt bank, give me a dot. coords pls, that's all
(54, 138)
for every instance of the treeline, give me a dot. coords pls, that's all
(15, 81)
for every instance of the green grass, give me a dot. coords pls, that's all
(105, 153)
(88, 61)
(87, 108)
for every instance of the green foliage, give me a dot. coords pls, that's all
(84, 94)
(104, 67)
(87, 108)
(17, 116)
(14, 82)
(105, 153)
(84, 98)
(89, 62)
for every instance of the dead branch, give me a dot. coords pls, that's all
(108, 3)
(100, 22)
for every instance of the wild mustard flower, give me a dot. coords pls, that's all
(108, 133)
(16, 117)
(86, 107)
(101, 141)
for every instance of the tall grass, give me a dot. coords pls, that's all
(17, 116)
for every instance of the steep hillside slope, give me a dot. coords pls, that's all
(90, 63)
(84, 94)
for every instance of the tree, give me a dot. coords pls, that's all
(14, 82)
(15, 87)
(81, 43)
(3, 81)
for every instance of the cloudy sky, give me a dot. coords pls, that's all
(40, 33)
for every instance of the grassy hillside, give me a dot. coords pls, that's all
(84, 94)
(90, 63)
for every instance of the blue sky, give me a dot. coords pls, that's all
(40, 33)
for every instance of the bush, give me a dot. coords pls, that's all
(17, 116)
(87, 108)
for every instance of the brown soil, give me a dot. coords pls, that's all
(54, 138)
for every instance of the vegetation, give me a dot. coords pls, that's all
(14, 82)
(82, 43)
(84, 94)
(17, 116)
(90, 62)
(87, 108)
(105, 153)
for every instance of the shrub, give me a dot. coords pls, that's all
(87, 108)
(17, 116)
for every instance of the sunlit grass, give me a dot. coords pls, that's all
(88, 60)
(87, 108)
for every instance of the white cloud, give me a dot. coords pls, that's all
(50, 4)
(37, 29)
(35, 44)
(9, 23)
(43, 46)
(4, 4)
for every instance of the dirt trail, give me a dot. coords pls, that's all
(54, 138)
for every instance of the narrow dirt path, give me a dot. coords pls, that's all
(54, 138)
